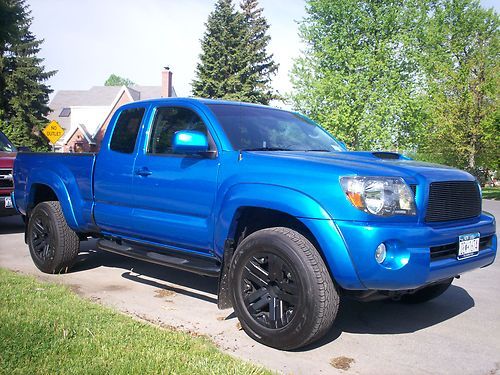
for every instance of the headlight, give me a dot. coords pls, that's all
(383, 196)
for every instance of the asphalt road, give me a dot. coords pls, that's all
(458, 333)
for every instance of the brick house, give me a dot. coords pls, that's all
(85, 114)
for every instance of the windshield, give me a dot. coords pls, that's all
(5, 145)
(258, 128)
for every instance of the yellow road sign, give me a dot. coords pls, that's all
(53, 131)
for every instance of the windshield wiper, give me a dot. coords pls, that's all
(318, 150)
(266, 149)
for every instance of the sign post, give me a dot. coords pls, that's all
(53, 132)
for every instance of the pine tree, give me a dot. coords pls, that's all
(25, 95)
(11, 15)
(218, 74)
(234, 63)
(261, 64)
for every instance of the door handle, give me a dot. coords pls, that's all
(144, 172)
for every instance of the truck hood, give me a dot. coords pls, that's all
(362, 163)
(7, 159)
(317, 175)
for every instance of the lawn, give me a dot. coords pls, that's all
(47, 329)
(491, 193)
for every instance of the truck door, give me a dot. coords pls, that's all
(174, 194)
(114, 173)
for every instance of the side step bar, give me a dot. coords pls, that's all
(174, 259)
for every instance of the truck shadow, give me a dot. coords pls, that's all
(11, 224)
(392, 318)
(160, 277)
(375, 318)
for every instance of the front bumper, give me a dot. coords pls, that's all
(409, 264)
(4, 211)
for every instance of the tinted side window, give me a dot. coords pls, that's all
(126, 130)
(167, 122)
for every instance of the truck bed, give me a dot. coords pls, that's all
(66, 174)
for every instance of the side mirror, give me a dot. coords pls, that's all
(189, 142)
(23, 149)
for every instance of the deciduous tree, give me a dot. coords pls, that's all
(115, 80)
(358, 76)
(461, 55)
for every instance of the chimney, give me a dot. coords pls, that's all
(166, 83)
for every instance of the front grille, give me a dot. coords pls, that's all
(453, 200)
(6, 179)
(451, 250)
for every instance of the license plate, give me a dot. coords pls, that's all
(8, 202)
(468, 245)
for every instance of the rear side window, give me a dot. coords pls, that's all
(126, 130)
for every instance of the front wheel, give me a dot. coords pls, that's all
(53, 245)
(282, 292)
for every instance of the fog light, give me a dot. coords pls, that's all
(380, 253)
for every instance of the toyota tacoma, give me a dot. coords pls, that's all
(263, 199)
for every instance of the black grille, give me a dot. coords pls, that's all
(451, 250)
(6, 178)
(453, 200)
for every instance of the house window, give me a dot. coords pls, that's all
(65, 112)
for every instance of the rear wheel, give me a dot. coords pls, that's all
(282, 292)
(53, 245)
(428, 293)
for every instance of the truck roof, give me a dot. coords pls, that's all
(203, 101)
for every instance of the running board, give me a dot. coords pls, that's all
(174, 259)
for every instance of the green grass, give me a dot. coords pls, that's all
(47, 329)
(491, 193)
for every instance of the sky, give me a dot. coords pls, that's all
(86, 41)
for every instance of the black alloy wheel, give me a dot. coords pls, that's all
(281, 289)
(270, 288)
(41, 239)
(53, 245)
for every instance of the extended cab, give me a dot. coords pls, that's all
(265, 200)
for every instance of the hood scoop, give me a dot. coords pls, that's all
(389, 155)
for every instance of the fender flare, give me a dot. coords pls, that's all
(297, 204)
(292, 202)
(56, 184)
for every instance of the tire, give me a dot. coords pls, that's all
(53, 245)
(281, 290)
(428, 293)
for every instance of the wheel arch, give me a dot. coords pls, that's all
(302, 212)
(47, 187)
(246, 201)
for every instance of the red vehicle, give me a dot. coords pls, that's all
(7, 156)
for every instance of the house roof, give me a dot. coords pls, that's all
(149, 92)
(85, 133)
(96, 96)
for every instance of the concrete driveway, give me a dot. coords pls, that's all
(458, 333)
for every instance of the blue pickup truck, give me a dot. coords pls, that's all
(265, 200)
